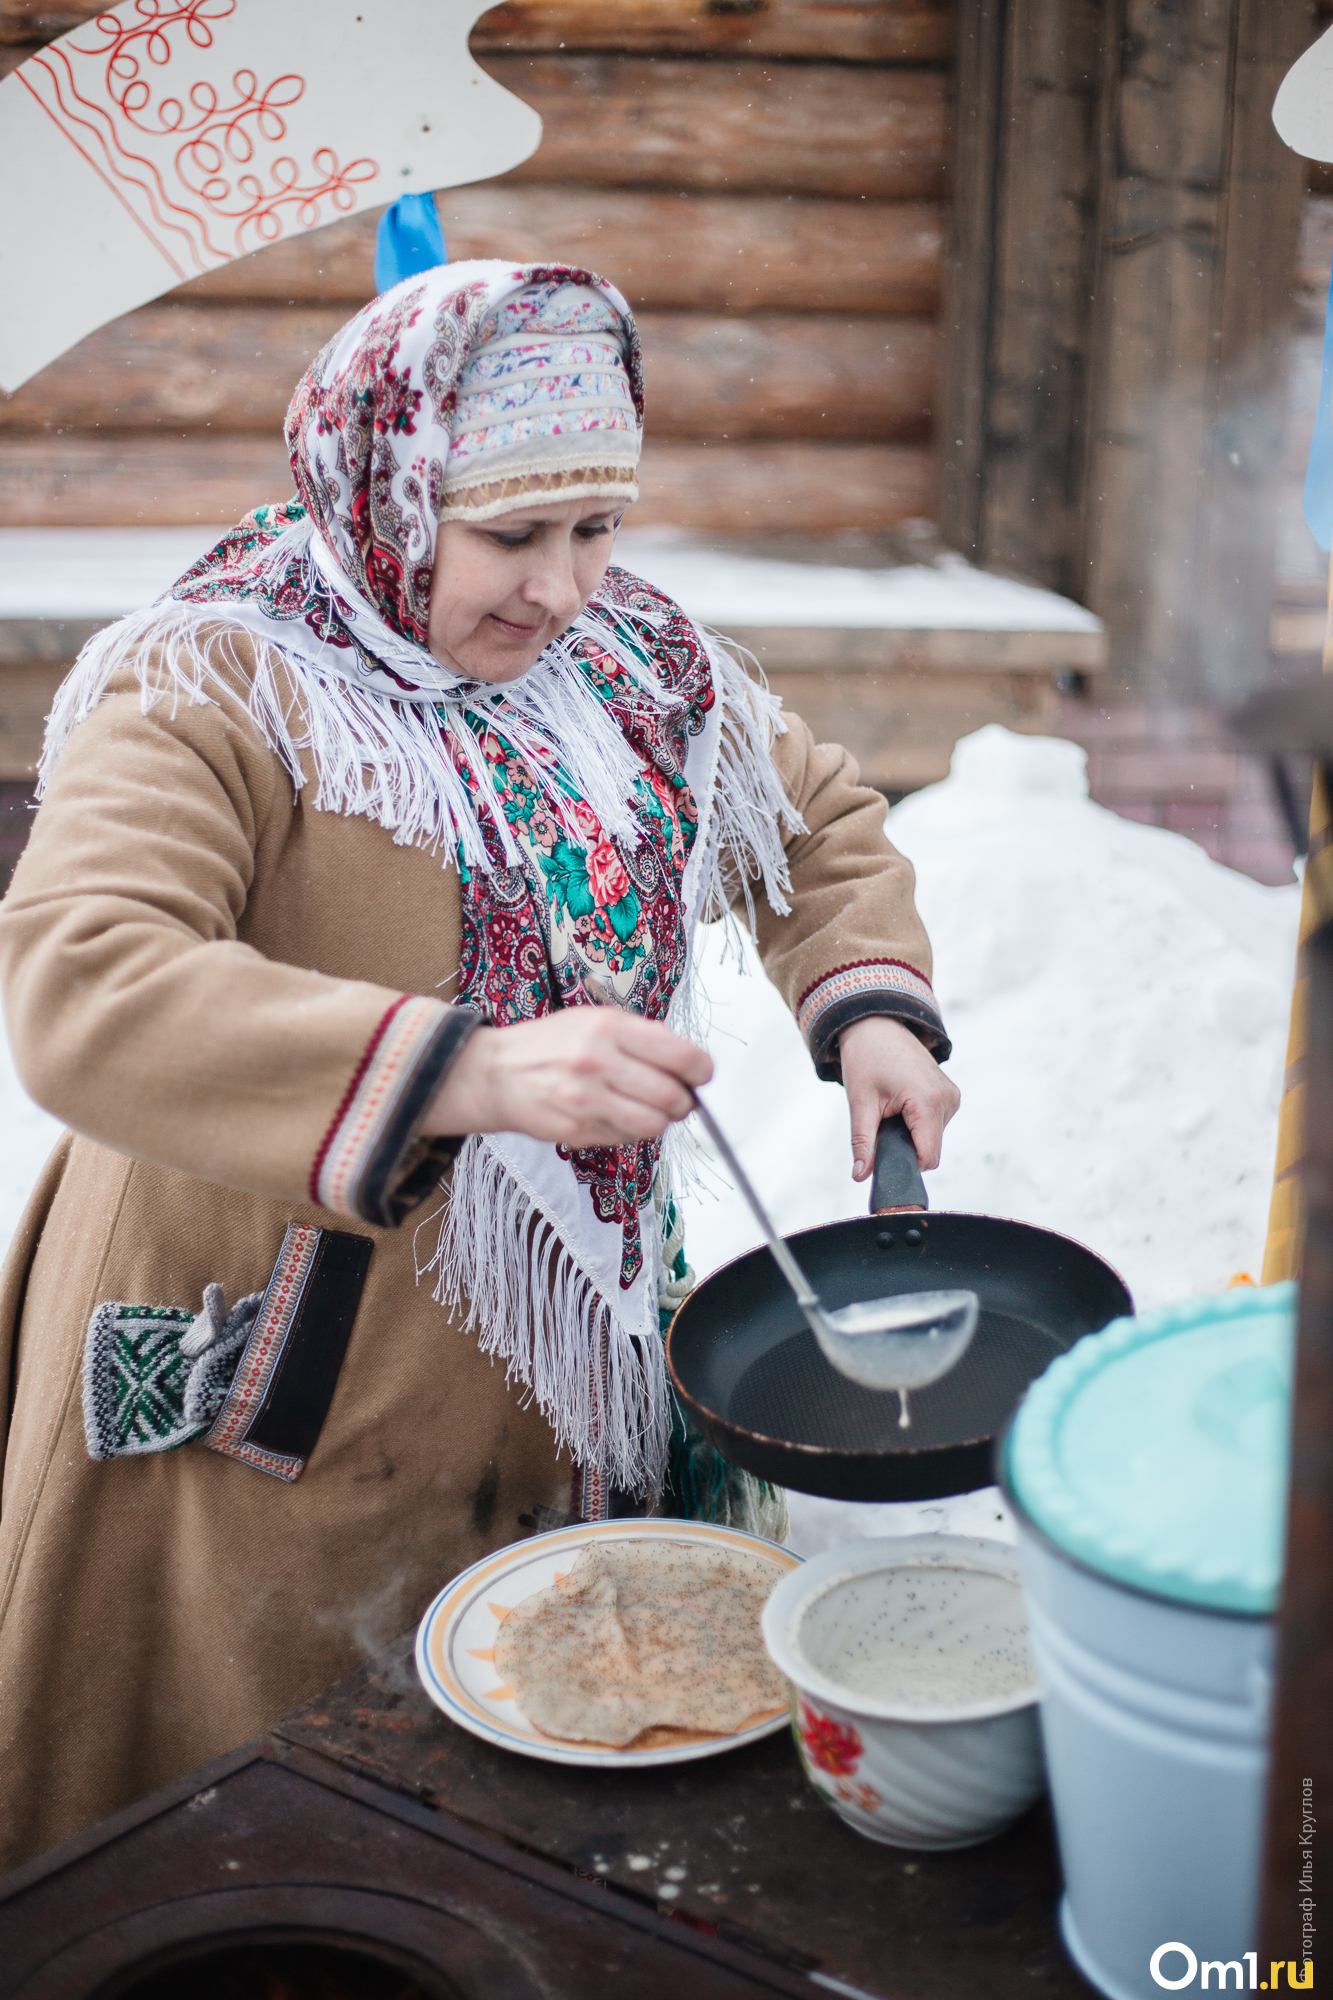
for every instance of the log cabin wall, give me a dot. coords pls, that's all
(765, 180)
(768, 184)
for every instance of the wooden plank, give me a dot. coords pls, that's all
(712, 252)
(879, 31)
(811, 128)
(1111, 403)
(677, 251)
(1301, 1774)
(42, 20)
(809, 488)
(902, 727)
(226, 367)
(156, 479)
(329, 1854)
(127, 481)
(1161, 209)
(1018, 288)
(26, 694)
(234, 368)
(336, 262)
(1253, 317)
(48, 642)
(787, 375)
(1035, 386)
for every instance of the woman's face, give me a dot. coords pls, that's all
(503, 589)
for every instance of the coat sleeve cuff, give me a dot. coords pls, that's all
(372, 1163)
(849, 993)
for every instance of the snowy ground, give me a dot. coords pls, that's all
(1118, 1005)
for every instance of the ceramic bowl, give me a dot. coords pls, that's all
(917, 1772)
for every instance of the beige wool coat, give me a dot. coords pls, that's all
(193, 963)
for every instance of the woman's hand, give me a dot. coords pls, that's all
(885, 1070)
(583, 1076)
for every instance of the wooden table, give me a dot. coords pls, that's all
(737, 1846)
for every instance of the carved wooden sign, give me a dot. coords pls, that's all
(166, 137)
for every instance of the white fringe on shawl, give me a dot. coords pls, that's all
(373, 754)
(526, 1290)
(602, 1386)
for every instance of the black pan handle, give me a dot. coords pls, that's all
(897, 1181)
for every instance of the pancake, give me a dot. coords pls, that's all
(643, 1637)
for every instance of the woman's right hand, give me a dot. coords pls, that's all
(583, 1076)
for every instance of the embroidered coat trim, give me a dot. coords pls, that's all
(370, 1163)
(849, 993)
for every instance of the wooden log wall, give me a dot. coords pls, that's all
(765, 182)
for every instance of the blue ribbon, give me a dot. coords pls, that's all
(1319, 469)
(410, 240)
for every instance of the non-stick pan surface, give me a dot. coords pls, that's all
(751, 1375)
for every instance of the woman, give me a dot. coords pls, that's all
(354, 943)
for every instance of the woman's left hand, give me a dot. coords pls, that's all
(887, 1070)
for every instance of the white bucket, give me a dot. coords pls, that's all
(1148, 1471)
(1154, 1720)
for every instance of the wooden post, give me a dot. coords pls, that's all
(1116, 291)
(1301, 1775)
(968, 275)
(1199, 208)
(1036, 384)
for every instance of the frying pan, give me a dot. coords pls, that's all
(751, 1375)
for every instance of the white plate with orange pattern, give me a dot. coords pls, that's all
(456, 1641)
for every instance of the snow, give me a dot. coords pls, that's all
(92, 572)
(724, 589)
(1118, 1005)
(27, 1135)
(104, 572)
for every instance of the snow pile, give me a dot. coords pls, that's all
(1118, 1004)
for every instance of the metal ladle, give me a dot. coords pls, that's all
(901, 1342)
